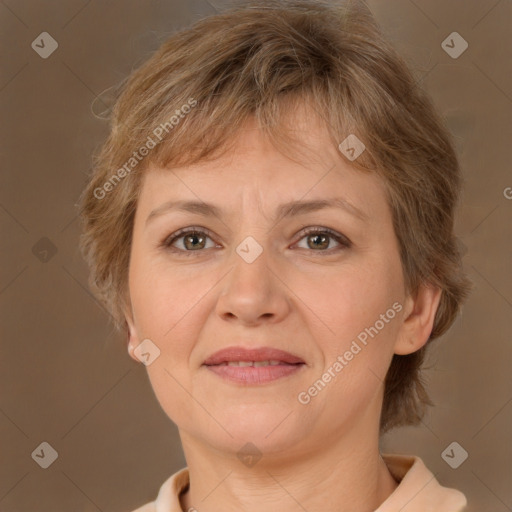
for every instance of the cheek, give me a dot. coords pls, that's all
(161, 295)
(349, 299)
(168, 305)
(357, 305)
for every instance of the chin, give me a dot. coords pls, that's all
(269, 434)
(256, 444)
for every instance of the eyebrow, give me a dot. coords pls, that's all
(290, 209)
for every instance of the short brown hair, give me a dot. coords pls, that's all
(256, 60)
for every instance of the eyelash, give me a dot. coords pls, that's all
(344, 242)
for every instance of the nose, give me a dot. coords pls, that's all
(253, 291)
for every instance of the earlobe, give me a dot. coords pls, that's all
(132, 335)
(418, 322)
(132, 344)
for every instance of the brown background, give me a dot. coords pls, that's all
(65, 376)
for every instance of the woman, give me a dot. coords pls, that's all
(271, 223)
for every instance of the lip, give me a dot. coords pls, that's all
(258, 354)
(289, 364)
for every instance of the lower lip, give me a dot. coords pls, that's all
(255, 374)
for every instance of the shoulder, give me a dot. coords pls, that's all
(418, 489)
(168, 496)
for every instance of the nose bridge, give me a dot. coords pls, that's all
(252, 289)
(253, 232)
(253, 254)
(251, 260)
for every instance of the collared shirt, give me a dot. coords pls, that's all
(418, 490)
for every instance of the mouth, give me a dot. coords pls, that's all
(255, 366)
(255, 355)
(271, 362)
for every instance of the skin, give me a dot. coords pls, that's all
(310, 301)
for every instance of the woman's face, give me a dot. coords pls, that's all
(252, 279)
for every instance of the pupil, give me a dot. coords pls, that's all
(191, 239)
(323, 238)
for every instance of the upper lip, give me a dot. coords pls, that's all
(257, 354)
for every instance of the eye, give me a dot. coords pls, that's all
(193, 239)
(190, 240)
(319, 239)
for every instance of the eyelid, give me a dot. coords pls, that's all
(168, 240)
(339, 237)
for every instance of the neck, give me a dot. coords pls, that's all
(344, 474)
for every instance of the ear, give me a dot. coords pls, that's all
(133, 339)
(418, 321)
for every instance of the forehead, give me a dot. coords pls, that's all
(256, 170)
